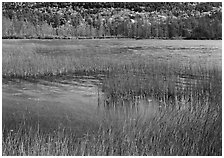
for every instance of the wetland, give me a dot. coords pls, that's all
(111, 97)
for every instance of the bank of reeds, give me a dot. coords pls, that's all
(171, 131)
(186, 123)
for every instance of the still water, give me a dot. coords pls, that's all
(76, 103)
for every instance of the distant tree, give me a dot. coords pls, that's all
(172, 28)
(203, 7)
(195, 19)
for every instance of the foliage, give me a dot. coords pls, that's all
(128, 19)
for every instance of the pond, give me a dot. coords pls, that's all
(76, 103)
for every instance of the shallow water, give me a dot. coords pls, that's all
(75, 103)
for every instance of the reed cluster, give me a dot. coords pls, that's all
(186, 122)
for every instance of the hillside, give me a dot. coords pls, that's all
(141, 20)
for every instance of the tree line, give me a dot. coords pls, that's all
(188, 20)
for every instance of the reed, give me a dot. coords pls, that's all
(171, 131)
(185, 122)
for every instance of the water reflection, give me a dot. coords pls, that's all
(139, 108)
(77, 103)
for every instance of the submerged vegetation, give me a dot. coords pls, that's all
(185, 122)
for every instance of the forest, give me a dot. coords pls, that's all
(140, 20)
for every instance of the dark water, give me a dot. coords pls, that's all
(76, 103)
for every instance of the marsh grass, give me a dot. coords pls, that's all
(186, 122)
(171, 131)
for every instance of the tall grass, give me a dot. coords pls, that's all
(33, 62)
(171, 131)
(184, 122)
